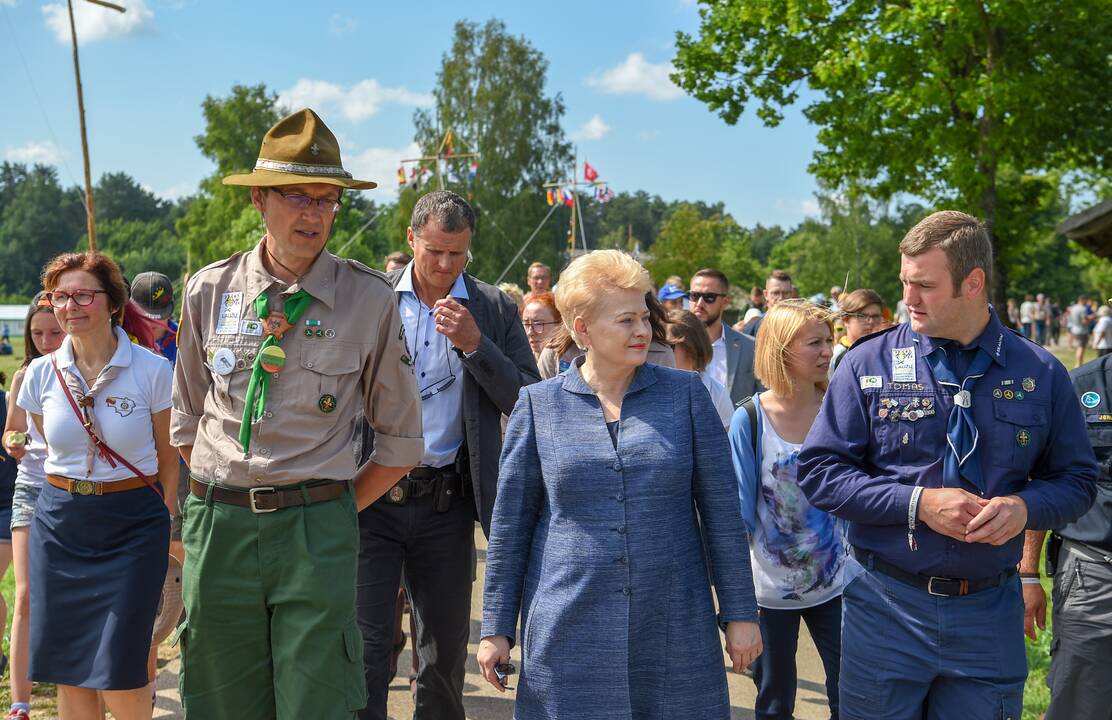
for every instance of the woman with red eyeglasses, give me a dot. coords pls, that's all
(100, 535)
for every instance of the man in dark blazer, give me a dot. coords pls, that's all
(732, 361)
(470, 355)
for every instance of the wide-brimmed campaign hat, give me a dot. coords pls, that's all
(169, 604)
(299, 149)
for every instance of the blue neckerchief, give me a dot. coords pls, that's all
(961, 434)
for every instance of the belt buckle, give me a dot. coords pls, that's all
(961, 589)
(84, 487)
(252, 495)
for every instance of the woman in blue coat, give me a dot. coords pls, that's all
(608, 470)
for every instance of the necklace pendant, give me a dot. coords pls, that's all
(277, 325)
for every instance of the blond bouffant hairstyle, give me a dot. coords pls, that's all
(778, 330)
(588, 277)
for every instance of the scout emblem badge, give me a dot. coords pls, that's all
(17, 439)
(327, 403)
(1023, 438)
(1090, 399)
(1029, 384)
(271, 358)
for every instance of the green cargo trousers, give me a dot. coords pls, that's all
(270, 630)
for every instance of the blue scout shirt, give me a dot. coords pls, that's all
(882, 431)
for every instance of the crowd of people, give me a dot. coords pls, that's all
(316, 441)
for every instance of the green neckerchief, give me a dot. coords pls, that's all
(254, 405)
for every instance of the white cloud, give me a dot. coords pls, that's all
(44, 152)
(810, 207)
(95, 22)
(637, 76)
(593, 129)
(340, 24)
(356, 103)
(380, 165)
(174, 192)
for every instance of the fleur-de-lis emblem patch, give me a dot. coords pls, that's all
(314, 149)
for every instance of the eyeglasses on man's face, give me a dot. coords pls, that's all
(325, 206)
(83, 298)
(708, 297)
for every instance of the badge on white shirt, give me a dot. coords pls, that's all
(903, 364)
(231, 309)
(252, 327)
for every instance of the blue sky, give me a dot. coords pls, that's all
(365, 66)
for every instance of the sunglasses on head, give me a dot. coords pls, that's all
(707, 297)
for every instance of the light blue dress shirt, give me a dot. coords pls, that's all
(438, 369)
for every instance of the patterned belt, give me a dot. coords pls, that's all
(91, 487)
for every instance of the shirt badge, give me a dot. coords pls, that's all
(223, 361)
(870, 381)
(122, 405)
(1023, 438)
(1029, 384)
(1090, 399)
(903, 364)
(231, 309)
(251, 327)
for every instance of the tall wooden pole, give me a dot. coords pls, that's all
(90, 214)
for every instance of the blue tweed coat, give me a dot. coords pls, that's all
(600, 551)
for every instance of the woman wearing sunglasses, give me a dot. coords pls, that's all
(797, 553)
(862, 313)
(596, 540)
(100, 535)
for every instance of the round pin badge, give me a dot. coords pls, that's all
(223, 361)
(1090, 399)
(1029, 384)
(997, 393)
(330, 333)
(272, 359)
(327, 403)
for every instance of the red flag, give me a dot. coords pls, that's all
(589, 173)
(569, 199)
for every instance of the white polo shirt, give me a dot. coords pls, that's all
(121, 415)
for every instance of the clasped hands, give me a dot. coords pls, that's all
(961, 515)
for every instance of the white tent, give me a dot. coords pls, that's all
(11, 319)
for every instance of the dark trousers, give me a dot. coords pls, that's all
(775, 671)
(437, 550)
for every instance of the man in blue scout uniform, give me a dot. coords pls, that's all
(940, 441)
(1079, 557)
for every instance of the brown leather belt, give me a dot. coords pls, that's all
(269, 499)
(91, 487)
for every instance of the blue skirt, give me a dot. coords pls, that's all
(97, 565)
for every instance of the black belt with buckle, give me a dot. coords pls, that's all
(933, 584)
(424, 480)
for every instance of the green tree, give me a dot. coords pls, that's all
(118, 196)
(38, 220)
(490, 92)
(690, 240)
(234, 128)
(928, 97)
(139, 246)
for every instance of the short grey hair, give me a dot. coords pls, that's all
(962, 237)
(452, 213)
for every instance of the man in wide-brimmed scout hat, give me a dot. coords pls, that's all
(280, 350)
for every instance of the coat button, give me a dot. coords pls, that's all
(625, 590)
(616, 467)
(620, 497)
(308, 364)
(621, 529)
(623, 560)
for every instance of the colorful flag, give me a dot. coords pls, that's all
(448, 144)
(589, 173)
(473, 170)
(550, 197)
(401, 176)
(569, 198)
(559, 196)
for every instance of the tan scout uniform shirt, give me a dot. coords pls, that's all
(304, 434)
